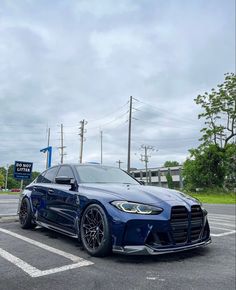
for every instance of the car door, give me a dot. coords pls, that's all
(39, 193)
(62, 202)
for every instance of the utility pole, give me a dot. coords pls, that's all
(119, 162)
(6, 178)
(145, 158)
(82, 139)
(101, 135)
(129, 133)
(47, 155)
(62, 147)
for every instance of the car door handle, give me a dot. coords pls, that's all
(51, 191)
(35, 187)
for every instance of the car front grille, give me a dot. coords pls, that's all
(179, 224)
(196, 222)
(186, 226)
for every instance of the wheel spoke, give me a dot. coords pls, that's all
(93, 228)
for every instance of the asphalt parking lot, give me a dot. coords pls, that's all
(8, 204)
(42, 259)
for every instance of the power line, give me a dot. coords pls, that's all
(101, 136)
(145, 157)
(161, 110)
(62, 147)
(119, 163)
(109, 114)
(82, 139)
(109, 122)
(129, 134)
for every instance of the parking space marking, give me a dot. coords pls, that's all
(6, 201)
(220, 223)
(225, 223)
(34, 272)
(43, 246)
(223, 234)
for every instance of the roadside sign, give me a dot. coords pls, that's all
(23, 170)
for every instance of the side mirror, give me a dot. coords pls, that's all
(63, 180)
(67, 180)
(141, 182)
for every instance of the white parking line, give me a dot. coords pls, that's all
(43, 246)
(223, 234)
(218, 228)
(220, 223)
(34, 272)
(222, 216)
(225, 223)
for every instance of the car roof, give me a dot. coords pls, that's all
(92, 164)
(83, 164)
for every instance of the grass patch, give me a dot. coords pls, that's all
(223, 198)
(9, 192)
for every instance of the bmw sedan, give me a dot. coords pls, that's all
(108, 210)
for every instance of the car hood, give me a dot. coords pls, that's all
(135, 193)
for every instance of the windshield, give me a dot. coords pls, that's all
(98, 174)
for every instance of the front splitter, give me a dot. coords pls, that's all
(147, 250)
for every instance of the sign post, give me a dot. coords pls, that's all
(22, 171)
(49, 155)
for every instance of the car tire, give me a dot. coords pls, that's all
(95, 231)
(25, 215)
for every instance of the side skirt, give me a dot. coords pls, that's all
(54, 228)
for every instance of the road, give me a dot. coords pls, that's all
(41, 259)
(8, 204)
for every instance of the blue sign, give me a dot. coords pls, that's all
(49, 156)
(23, 170)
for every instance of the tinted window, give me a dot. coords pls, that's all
(40, 178)
(65, 171)
(90, 174)
(49, 176)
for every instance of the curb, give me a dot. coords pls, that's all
(7, 219)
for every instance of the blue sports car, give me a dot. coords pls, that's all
(108, 210)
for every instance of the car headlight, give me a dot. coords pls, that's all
(132, 207)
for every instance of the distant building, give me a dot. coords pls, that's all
(157, 176)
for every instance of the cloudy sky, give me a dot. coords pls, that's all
(63, 61)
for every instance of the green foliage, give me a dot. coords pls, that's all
(205, 168)
(230, 166)
(213, 164)
(1, 180)
(11, 181)
(219, 111)
(171, 163)
(169, 179)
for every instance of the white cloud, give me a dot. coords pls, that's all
(64, 61)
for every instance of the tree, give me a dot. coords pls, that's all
(219, 111)
(169, 179)
(11, 181)
(213, 162)
(205, 168)
(230, 166)
(171, 163)
(2, 180)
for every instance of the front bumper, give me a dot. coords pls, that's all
(148, 250)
